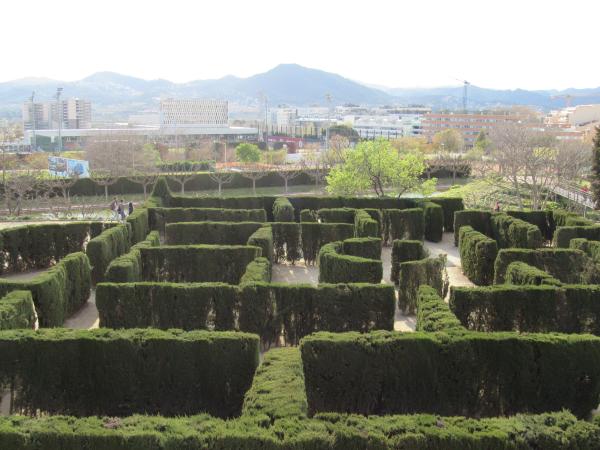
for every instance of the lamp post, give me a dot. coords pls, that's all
(59, 114)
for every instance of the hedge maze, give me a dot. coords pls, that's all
(200, 347)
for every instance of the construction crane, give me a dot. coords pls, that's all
(466, 85)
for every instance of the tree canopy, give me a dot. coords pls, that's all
(247, 153)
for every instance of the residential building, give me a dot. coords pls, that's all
(72, 113)
(574, 116)
(194, 112)
(388, 126)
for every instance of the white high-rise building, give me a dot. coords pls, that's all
(186, 113)
(74, 113)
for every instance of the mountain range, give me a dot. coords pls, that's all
(116, 95)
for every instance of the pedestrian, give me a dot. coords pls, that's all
(113, 209)
(497, 207)
(130, 207)
(121, 210)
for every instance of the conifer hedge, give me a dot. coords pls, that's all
(403, 224)
(105, 247)
(263, 238)
(542, 219)
(17, 310)
(434, 221)
(159, 216)
(315, 235)
(450, 206)
(257, 270)
(365, 225)
(283, 211)
(405, 250)
(520, 273)
(58, 292)
(412, 274)
(510, 232)
(110, 372)
(197, 263)
(139, 225)
(434, 314)
(337, 267)
(590, 248)
(477, 374)
(287, 244)
(367, 247)
(477, 255)
(127, 268)
(563, 235)
(336, 215)
(216, 233)
(478, 219)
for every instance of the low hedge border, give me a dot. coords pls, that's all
(283, 211)
(127, 268)
(105, 247)
(17, 311)
(519, 273)
(405, 250)
(337, 267)
(477, 255)
(214, 233)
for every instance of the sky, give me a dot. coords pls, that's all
(528, 44)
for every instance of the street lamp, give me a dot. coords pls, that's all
(59, 114)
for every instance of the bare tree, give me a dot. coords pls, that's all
(182, 172)
(146, 177)
(18, 188)
(288, 172)
(221, 178)
(254, 172)
(316, 166)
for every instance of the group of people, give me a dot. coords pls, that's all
(118, 209)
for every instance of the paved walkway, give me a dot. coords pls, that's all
(87, 317)
(453, 267)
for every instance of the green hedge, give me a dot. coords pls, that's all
(287, 244)
(315, 235)
(197, 263)
(188, 306)
(519, 273)
(450, 206)
(566, 309)
(367, 247)
(365, 225)
(216, 233)
(542, 219)
(283, 211)
(434, 221)
(306, 215)
(560, 216)
(434, 314)
(403, 224)
(336, 215)
(590, 248)
(257, 270)
(402, 251)
(510, 232)
(263, 238)
(477, 255)
(127, 268)
(17, 310)
(107, 246)
(58, 292)
(478, 219)
(158, 217)
(139, 225)
(337, 267)
(477, 374)
(299, 310)
(108, 372)
(566, 265)
(563, 235)
(413, 274)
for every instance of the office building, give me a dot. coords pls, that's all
(195, 112)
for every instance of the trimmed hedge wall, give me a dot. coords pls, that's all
(402, 251)
(434, 221)
(127, 268)
(510, 232)
(283, 211)
(337, 267)
(477, 255)
(478, 219)
(197, 263)
(519, 273)
(216, 233)
(104, 248)
(295, 311)
(108, 372)
(542, 219)
(563, 235)
(477, 374)
(263, 238)
(365, 225)
(306, 215)
(58, 292)
(590, 248)
(403, 224)
(367, 247)
(257, 270)
(412, 274)
(566, 309)
(315, 235)
(17, 311)
(434, 314)
(336, 215)
(287, 244)
(450, 206)
(139, 225)
(566, 265)
(158, 217)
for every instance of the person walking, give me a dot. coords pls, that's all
(113, 209)
(130, 208)
(121, 210)
(497, 207)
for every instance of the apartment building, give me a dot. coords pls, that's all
(72, 113)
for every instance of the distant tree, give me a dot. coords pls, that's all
(482, 143)
(316, 166)
(450, 141)
(247, 153)
(406, 144)
(221, 178)
(288, 172)
(596, 168)
(344, 131)
(182, 172)
(254, 172)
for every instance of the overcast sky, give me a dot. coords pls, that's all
(531, 44)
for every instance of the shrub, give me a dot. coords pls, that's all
(477, 374)
(434, 221)
(519, 273)
(365, 225)
(560, 216)
(433, 313)
(58, 292)
(403, 224)
(450, 206)
(402, 251)
(108, 372)
(104, 248)
(17, 310)
(286, 241)
(257, 270)
(336, 215)
(315, 235)
(188, 306)
(590, 248)
(158, 217)
(367, 247)
(138, 222)
(563, 235)
(127, 268)
(542, 219)
(306, 215)
(263, 238)
(514, 233)
(299, 310)
(197, 263)
(413, 274)
(336, 267)
(283, 211)
(478, 219)
(477, 255)
(217, 233)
